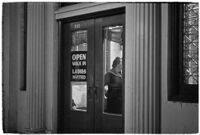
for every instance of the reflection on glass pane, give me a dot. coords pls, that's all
(79, 40)
(79, 96)
(113, 52)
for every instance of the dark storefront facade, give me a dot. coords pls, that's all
(100, 67)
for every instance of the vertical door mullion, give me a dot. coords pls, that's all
(98, 74)
(90, 72)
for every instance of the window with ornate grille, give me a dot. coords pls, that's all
(184, 42)
(190, 43)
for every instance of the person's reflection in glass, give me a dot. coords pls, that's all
(113, 87)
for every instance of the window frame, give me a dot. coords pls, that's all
(178, 90)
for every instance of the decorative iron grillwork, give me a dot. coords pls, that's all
(190, 43)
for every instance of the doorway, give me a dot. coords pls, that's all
(92, 75)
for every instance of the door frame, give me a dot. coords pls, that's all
(87, 11)
(87, 8)
(130, 118)
(101, 23)
(66, 114)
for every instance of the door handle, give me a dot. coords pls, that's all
(95, 92)
(91, 91)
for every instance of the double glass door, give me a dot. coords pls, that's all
(92, 75)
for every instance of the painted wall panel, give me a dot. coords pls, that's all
(177, 117)
(21, 90)
(24, 111)
(142, 68)
(13, 70)
(36, 66)
(12, 42)
(5, 60)
(129, 57)
(51, 62)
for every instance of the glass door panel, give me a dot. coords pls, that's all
(113, 53)
(79, 70)
(79, 96)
